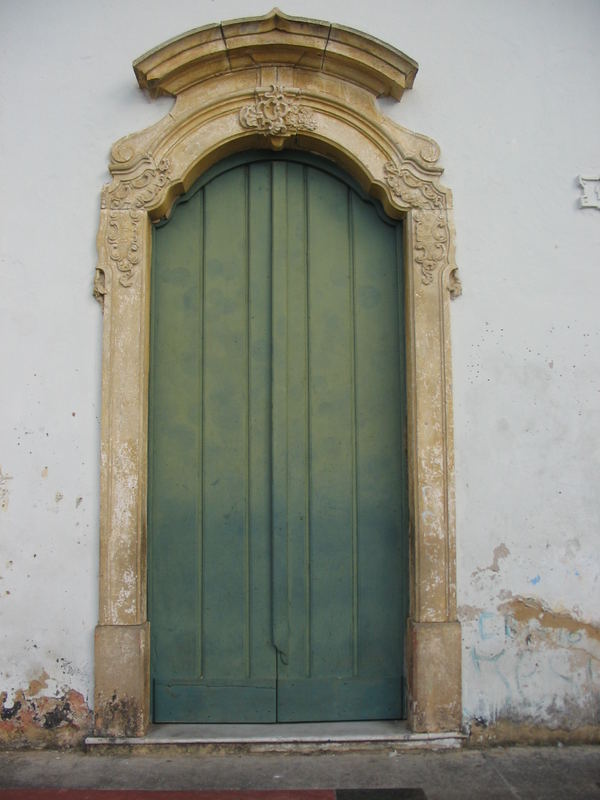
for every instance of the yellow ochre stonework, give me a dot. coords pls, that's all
(275, 82)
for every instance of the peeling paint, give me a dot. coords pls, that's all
(533, 665)
(467, 612)
(526, 609)
(34, 720)
(500, 552)
(37, 684)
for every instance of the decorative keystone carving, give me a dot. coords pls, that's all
(411, 190)
(591, 192)
(276, 112)
(130, 195)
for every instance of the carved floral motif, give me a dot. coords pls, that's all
(123, 245)
(432, 234)
(277, 112)
(431, 242)
(131, 195)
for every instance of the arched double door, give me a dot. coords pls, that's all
(277, 466)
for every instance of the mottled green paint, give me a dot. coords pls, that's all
(277, 498)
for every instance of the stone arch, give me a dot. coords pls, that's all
(274, 82)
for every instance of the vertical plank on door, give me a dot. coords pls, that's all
(345, 455)
(225, 440)
(226, 546)
(330, 409)
(259, 367)
(379, 429)
(298, 423)
(279, 421)
(175, 441)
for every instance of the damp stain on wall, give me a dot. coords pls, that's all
(34, 719)
(533, 665)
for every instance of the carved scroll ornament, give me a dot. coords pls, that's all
(276, 112)
(130, 195)
(411, 190)
(432, 234)
(140, 189)
(431, 242)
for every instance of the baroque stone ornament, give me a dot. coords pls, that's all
(410, 189)
(432, 234)
(276, 112)
(140, 189)
(213, 73)
(590, 197)
(431, 246)
(130, 195)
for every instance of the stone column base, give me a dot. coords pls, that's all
(434, 676)
(122, 691)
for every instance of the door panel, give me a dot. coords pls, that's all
(345, 509)
(210, 569)
(277, 499)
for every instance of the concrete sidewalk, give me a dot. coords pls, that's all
(552, 773)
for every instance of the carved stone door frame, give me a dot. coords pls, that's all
(274, 82)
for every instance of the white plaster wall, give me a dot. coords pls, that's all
(510, 91)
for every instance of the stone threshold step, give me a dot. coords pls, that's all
(318, 736)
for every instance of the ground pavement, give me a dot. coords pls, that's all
(561, 773)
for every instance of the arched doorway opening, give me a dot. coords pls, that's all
(277, 498)
(275, 83)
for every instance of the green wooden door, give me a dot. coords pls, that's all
(277, 511)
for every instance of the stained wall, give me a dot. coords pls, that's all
(510, 93)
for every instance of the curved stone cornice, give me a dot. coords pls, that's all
(271, 40)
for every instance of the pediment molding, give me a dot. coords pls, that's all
(275, 39)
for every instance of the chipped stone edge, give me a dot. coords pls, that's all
(394, 745)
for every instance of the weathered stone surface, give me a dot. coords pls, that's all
(323, 105)
(122, 690)
(198, 55)
(434, 676)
